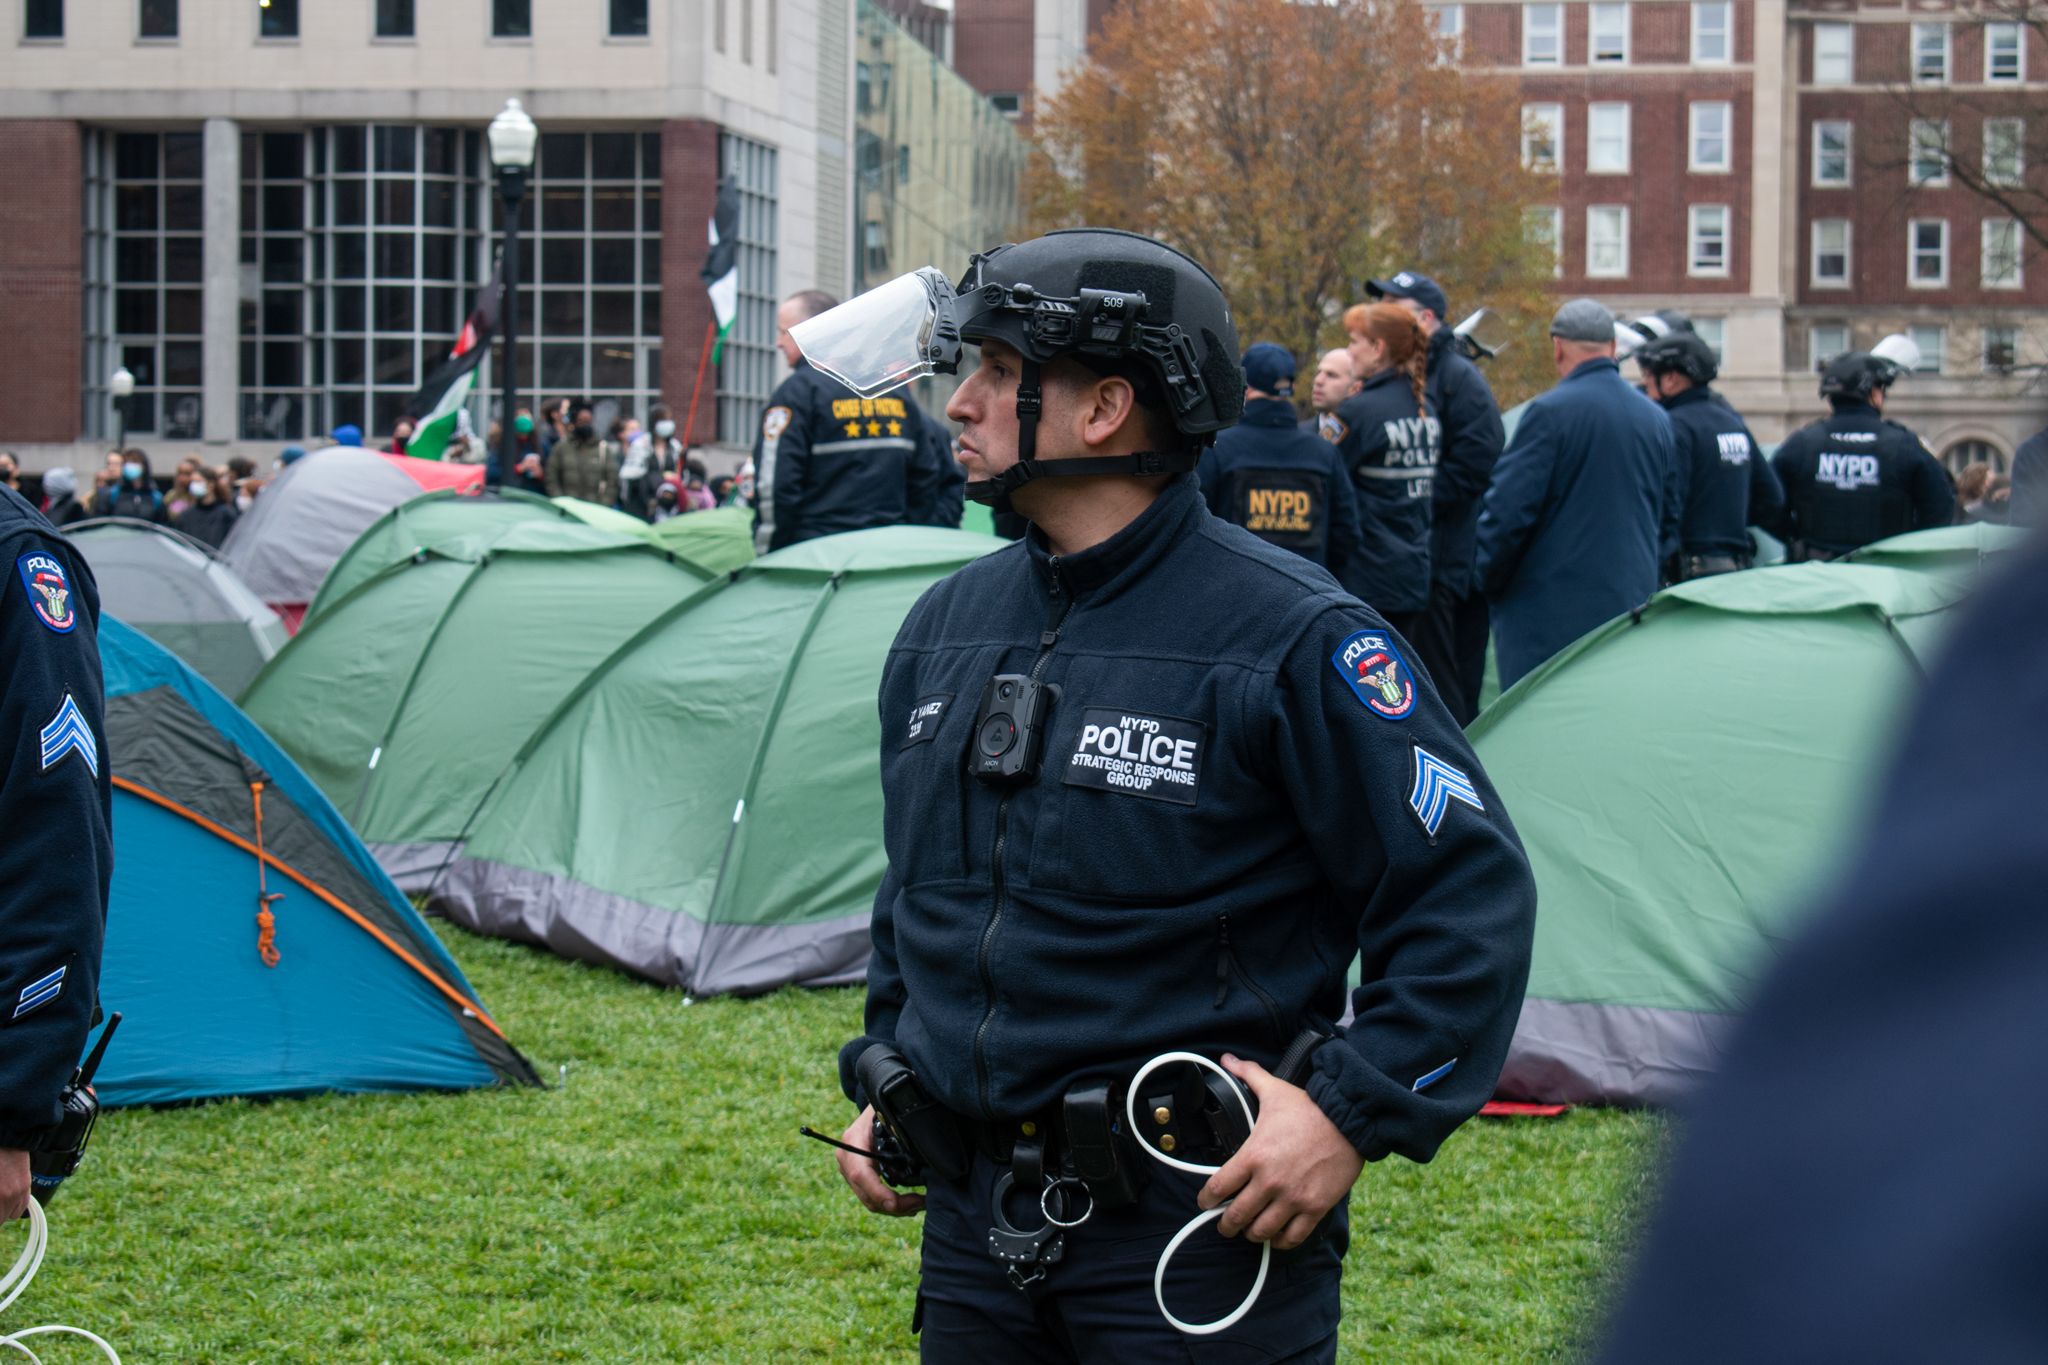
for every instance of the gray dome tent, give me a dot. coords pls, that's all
(181, 594)
(305, 517)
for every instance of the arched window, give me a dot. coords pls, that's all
(1963, 454)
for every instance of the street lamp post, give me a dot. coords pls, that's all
(512, 137)
(120, 384)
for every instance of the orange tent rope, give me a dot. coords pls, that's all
(266, 923)
(322, 892)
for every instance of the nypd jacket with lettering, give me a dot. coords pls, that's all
(828, 460)
(1581, 503)
(56, 852)
(1853, 478)
(1729, 486)
(1285, 485)
(1244, 786)
(1391, 450)
(1472, 441)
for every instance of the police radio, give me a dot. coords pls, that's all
(58, 1155)
(1009, 729)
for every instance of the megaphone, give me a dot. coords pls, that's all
(1484, 335)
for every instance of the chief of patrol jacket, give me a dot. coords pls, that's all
(1213, 897)
(56, 852)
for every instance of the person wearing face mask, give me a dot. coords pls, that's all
(135, 495)
(61, 506)
(583, 465)
(650, 459)
(210, 517)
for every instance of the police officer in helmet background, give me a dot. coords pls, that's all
(1285, 485)
(1855, 477)
(1240, 783)
(1727, 485)
(826, 460)
(56, 852)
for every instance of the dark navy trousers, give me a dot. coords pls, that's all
(1096, 1304)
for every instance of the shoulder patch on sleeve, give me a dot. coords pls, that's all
(774, 422)
(66, 733)
(49, 590)
(1376, 672)
(1436, 785)
(38, 993)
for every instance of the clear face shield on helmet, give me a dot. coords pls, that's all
(1484, 334)
(885, 338)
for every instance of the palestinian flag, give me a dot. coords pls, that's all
(721, 272)
(434, 407)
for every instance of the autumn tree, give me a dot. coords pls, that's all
(1298, 150)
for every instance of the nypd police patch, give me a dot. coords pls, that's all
(1376, 671)
(1156, 757)
(49, 590)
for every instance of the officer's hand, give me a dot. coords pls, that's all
(1292, 1172)
(860, 1173)
(14, 1184)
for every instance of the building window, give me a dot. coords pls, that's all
(1927, 253)
(1929, 152)
(1545, 228)
(277, 380)
(1710, 135)
(1542, 136)
(159, 19)
(277, 18)
(96, 169)
(511, 18)
(1825, 341)
(1449, 23)
(629, 18)
(1831, 253)
(1607, 141)
(1834, 54)
(2001, 349)
(1933, 344)
(1713, 331)
(42, 19)
(1710, 33)
(2005, 155)
(1542, 34)
(1607, 241)
(2001, 253)
(1008, 104)
(394, 18)
(1610, 34)
(1707, 238)
(1831, 145)
(152, 215)
(746, 374)
(2004, 52)
(1930, 54)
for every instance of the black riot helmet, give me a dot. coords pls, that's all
(1114, 302)
(1850, 377)
(1680, 351)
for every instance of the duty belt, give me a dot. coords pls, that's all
(1691, 566)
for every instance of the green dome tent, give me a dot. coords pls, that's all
(1681, 778)
(719, 539)
(705, 810)
(405, 696)
(1946, 549)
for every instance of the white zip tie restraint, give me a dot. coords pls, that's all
(18, 1278)
(1159, 1275)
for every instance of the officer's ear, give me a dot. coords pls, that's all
(1110, 411)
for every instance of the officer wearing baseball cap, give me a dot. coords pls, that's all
(1854, 477)
(1450, 634)
(1728, 486)
(1284, 485)
(57, 852)
(1151, 783)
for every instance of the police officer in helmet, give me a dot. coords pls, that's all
(56, 852)
(1727, 485)
(1285, 485)
(1854, 477)
(1151, 783)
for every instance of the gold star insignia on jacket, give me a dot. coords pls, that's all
(874, 428)
(895, 428)
(853, 428)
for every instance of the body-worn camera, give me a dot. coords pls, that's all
(921, 1132)
(1009, 729)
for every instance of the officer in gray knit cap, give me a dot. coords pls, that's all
(1580, 502)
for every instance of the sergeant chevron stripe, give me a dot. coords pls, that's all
(39, 993)
(1437, 784)
(67, 731)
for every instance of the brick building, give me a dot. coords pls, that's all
(275, 214)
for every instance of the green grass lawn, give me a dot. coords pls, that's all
(662, 1207)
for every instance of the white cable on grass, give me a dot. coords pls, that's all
(18, 1279)
(1159, 1274)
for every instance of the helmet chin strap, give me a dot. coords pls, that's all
(996, 492)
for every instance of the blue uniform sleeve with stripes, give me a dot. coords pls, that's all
(56, 852)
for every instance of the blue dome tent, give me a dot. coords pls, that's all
(344, 989)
